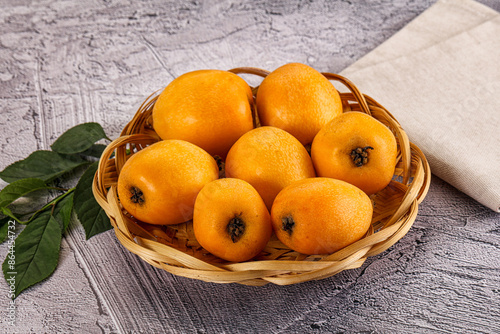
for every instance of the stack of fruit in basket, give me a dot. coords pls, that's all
(295, 163)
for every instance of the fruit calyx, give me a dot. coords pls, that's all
(359, 155)
(287, 224)
(137, 195)
(235, 228)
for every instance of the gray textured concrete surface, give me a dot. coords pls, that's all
(67, 62)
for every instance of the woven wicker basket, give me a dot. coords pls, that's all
(175, 249)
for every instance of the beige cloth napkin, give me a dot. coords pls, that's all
(440, 77)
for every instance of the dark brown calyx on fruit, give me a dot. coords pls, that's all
(235, 228)
(137, 196)
(360, 155)
(287, 224)
(222, 166)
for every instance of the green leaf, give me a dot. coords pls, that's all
(8, 213)
(95, 151)
(43, 165)
(35, 254)
(18, 189)
(4, 227)
(79, 138)
(89, 212)
(62, 210)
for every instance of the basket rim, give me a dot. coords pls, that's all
(414, 172)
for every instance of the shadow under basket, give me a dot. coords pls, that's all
(174, 248)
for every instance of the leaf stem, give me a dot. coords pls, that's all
(60, 197)
(51, 203)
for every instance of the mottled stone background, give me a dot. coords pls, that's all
(67, 62)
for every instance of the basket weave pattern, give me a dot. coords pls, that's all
(174, 248)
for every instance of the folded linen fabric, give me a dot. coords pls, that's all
(440, 77)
